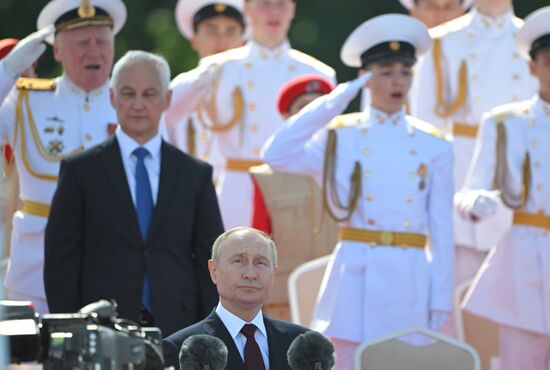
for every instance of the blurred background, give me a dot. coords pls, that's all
(319, 28)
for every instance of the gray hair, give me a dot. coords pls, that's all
(222, 239)
(135, 56)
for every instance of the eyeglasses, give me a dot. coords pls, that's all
(273, 4)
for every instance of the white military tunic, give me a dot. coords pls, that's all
(495, 75)
(406, 187)
(259, 72)
(181, 119)
(513, 286)
(55, 123)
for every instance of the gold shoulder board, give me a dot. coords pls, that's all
(41, 84)
(346, 120)
(430, 130)
(508, 111)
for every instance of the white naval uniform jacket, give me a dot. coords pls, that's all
(496, 75)
(367, 290)
(513, 286)
(181, 115)
(259, 72)
(55, 123)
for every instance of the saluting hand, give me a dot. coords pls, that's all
(343, 94)
(26, 52)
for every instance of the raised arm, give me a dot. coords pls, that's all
(298, 146)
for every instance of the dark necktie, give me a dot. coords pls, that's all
(252, 355)
(144, 208)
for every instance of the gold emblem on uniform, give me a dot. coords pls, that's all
(423, 174)
(395, 46)
(219, 8)
(86, 10)
(55, 147)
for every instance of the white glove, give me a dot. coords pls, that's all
(438, 318)
(26, 52)
(485, 204)
(343, 94)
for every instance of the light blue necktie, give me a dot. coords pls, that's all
(144, 208)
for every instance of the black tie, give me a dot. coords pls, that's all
(252, 355)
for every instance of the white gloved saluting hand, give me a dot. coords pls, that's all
(339, 98)
(26, 52)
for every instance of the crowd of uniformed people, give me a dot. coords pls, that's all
(440, 180)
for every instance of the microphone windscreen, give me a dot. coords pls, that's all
(203, 352)
(311, 351)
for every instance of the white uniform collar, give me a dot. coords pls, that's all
(377, 116)
(262, 52)
(541, 107)
(128, 145)
(234, 324)
(66, 83)
(485, 23)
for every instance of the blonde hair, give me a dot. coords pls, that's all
(242, 230)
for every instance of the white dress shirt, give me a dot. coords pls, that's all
(152, 161)
(234, 325)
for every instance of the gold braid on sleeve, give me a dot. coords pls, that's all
(330, 189)
(209, 108)
(442, 108)
(501, 173)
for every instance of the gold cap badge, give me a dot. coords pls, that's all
(219, 8)
(395, 46)
(86, 10)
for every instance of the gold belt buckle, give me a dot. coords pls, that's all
(386, 237)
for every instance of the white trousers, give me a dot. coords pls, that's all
(523, 350)
(345, 352)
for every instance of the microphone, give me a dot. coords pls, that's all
(203, 352)
(311, 351)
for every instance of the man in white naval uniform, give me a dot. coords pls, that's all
(512, 287)
(473, 67)
(387, 178)
(46, 120)
(242, 107)
(211, 26)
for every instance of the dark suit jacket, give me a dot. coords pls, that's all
(280, 335)
(94, 249)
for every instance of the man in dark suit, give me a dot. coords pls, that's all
(133, 218)
(243, 264)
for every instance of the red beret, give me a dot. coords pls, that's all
(301, 85)
(6, 45)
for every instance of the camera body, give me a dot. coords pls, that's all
(94, 338)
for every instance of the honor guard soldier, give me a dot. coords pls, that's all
(241, 108)
(435, 12)
(211, 27)
(387, 179)
(288, 206)
(513, 148)
(47, 120)
(432, 13)
(474, 66)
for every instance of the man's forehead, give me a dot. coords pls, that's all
(249, 244)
